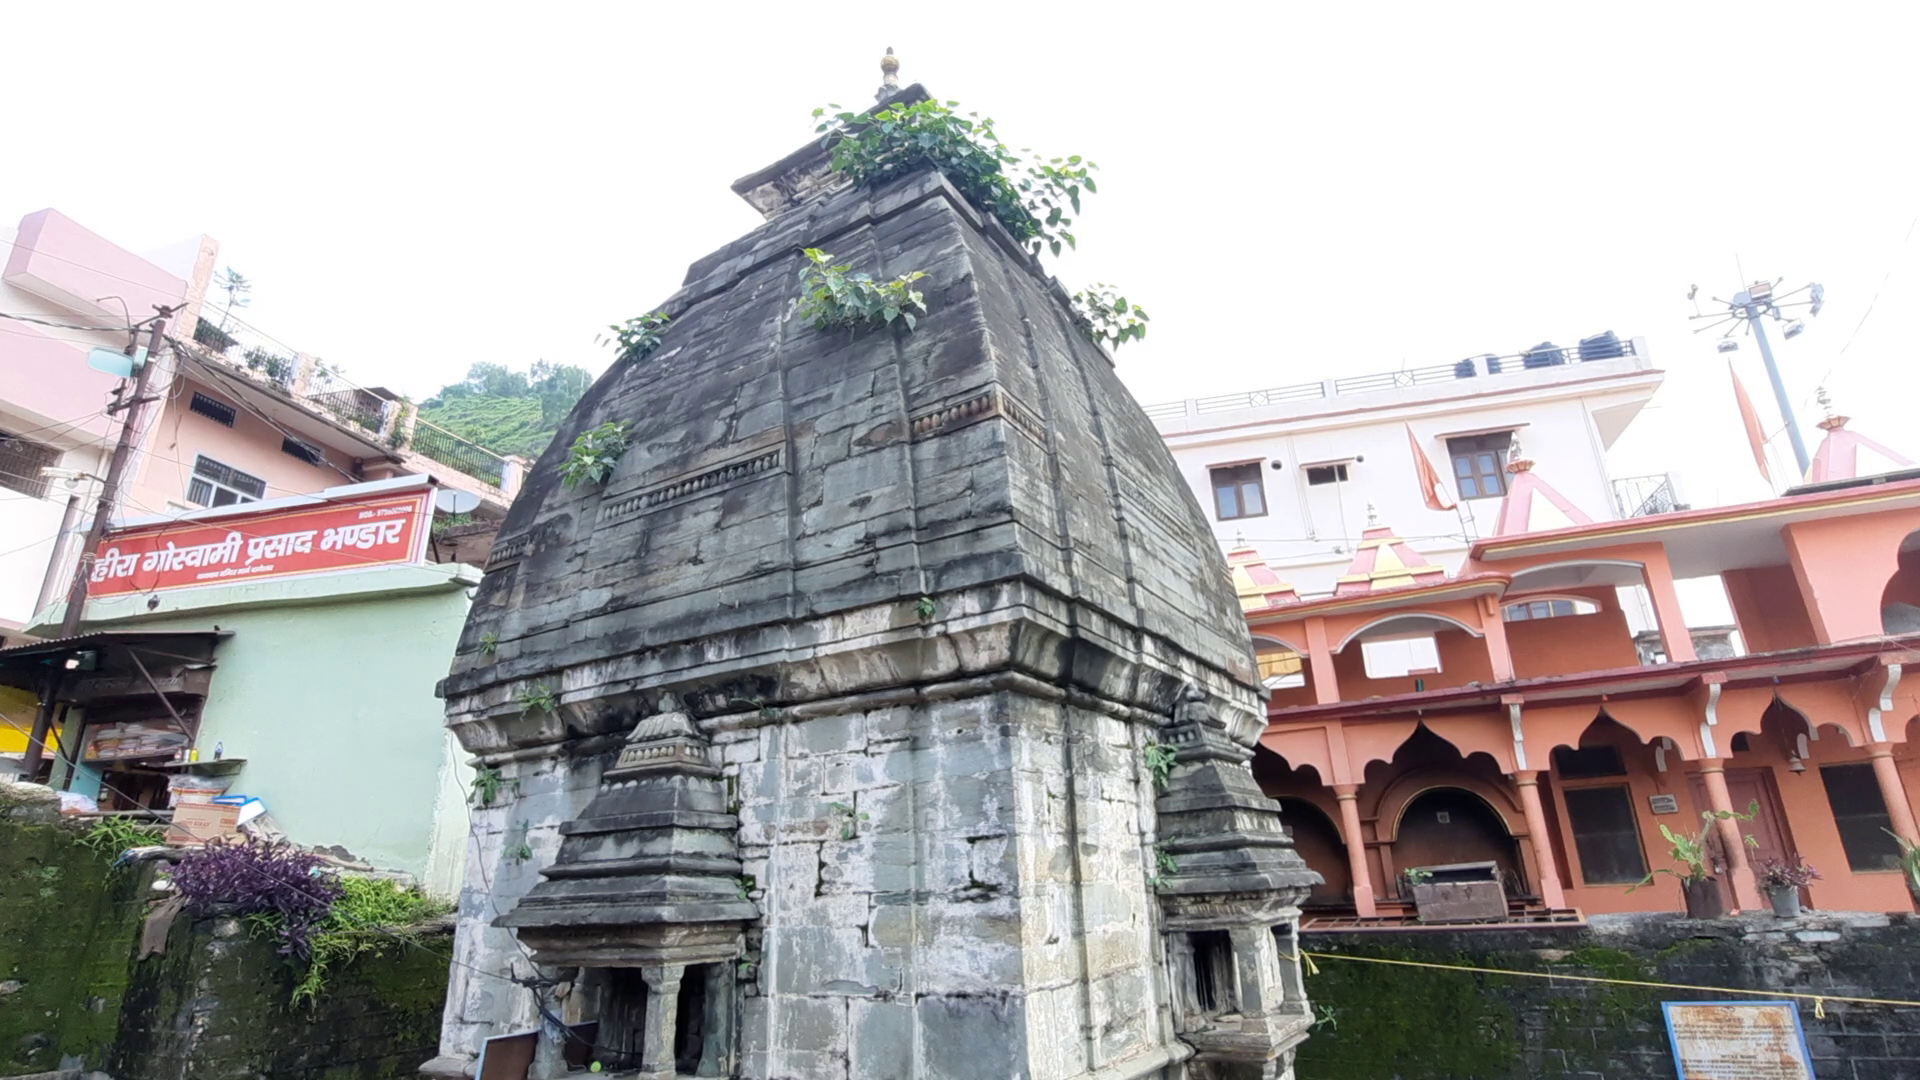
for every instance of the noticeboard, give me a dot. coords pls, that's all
(1737, 1040)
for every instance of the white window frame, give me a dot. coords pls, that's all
(215, 486)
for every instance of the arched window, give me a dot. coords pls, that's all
(1547, 609)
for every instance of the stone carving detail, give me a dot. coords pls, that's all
(508, 550)
(991, 402)
(712, 480)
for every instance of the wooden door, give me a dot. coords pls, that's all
(1769, 830)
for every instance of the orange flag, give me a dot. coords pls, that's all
(1751, 419)
(1431, 487)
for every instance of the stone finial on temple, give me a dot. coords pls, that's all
(889, 77)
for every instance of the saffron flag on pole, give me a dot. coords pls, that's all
(1751, 420)
(1432, 488)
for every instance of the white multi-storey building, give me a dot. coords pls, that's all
(1297, 472)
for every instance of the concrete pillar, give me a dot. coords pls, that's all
(1894, 792)
(1349, 796)
(1528, 781)
(1746, 892)
(1492, 622)
(1666, 609)
(1326, 687)
(663, 1010)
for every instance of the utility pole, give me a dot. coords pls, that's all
(102, 514)
(1749, 308)
(1779, 388)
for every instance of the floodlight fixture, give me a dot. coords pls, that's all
(1749, 309)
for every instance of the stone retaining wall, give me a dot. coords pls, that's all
(214, 1005)
(1384, 1021)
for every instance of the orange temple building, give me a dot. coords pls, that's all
(1512, 719)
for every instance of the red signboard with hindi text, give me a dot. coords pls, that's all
(341, 534)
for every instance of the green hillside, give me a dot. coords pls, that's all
(503, 425)
(507, 411)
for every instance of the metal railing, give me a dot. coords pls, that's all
(1544, 355)
(320, 387)
(451, 450)
(1640, 496)
(1253, 399)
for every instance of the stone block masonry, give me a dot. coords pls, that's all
(961, 871)
(1426, 1024)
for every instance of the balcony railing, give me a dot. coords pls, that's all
(1545, 355)
(321, 388)
(1640, 496)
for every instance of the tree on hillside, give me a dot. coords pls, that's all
(508, 411)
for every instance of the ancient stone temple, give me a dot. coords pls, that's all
(821, 737)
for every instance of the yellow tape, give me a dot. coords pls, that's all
(1819, 1000)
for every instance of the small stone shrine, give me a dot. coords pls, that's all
(819, 740)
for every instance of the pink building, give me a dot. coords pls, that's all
(1540, 750)
(238, 419)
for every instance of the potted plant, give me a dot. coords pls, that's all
(1782, 883)
(1696, 853)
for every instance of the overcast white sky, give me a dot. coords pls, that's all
(1293, 192)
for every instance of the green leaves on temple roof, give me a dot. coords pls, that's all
(1027, 193)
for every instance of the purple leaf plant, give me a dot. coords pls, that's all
(288, 889)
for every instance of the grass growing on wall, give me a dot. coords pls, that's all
(1411, 1023)
(371, 918)
(68, 923)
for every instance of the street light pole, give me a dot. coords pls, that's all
(1779, 388)
(102, 514)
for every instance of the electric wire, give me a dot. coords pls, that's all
(1898, 257)
(1818, 1000)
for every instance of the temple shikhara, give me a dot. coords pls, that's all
(887, 712)
(1533, 746)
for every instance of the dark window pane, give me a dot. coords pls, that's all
(1861, 814)
(1588, 762)
(1468, 489)
(1463, 467)
(1237, 491)
(1605, 835)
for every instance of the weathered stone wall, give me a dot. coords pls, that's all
(217, 1005)
(927, 854)
(68, 926)
(1416, 1023)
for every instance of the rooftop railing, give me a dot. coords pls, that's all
(1545, 355)
(1641, 496)
(321, 388)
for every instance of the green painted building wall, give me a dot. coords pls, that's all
(326, 688)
